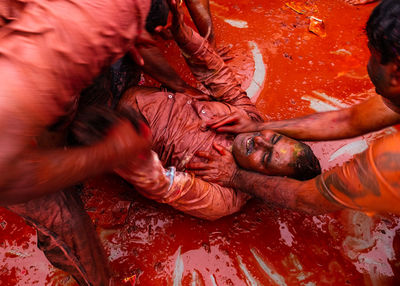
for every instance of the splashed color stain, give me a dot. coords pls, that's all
(278, 279)
(250, 279)
(237, 23)
(257, 82)
(351, 149)
(178, 272)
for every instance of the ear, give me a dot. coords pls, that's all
(395, 73)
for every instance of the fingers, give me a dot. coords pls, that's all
(173, 5)
(220, 149)
(225, 121)
(197, 166)
(205, 175)
(136, 57)
(144, 40)
(226, 58)
(164, 32)
(222, 51)
(204, 154)
(215, 123)
(227, 129)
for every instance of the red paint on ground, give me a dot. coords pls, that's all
(144, 238)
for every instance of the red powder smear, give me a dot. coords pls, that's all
(160, 245)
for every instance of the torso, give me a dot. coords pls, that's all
(178, 126)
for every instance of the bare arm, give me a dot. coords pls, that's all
(371, 115)
(285, 192)
(28, 172)
(156, 65)
(368, 182)
(289, 193)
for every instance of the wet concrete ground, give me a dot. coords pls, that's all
(289, 72)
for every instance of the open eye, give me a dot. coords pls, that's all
(249, 145)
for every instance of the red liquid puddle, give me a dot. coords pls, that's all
(261, 244)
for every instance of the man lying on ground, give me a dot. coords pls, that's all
(369, 182)
(177, 122)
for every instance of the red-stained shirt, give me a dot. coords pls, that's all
(53, 49)
(177, 122)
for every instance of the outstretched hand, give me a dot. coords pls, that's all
(233, 123)
(220, 169)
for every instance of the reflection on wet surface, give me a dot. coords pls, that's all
(289, 72)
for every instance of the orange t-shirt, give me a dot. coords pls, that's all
(370, 182)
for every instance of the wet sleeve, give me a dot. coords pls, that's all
(370, 181)
(209, 69)
(183, 191)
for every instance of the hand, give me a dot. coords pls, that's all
(142, 40)
(233, 123)
(221, 169)
(223, 52)
(125, 144)
(175, 19)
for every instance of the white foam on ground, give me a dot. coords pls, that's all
(352, 148)
(250, 279)
(286, 235)
(278, 279)
(319, 105)
(257, 82)
(237, 23)
(178, 271)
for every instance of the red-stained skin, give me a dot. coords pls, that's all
(142, 237)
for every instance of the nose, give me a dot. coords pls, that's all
(260, 141)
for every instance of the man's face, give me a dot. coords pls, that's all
(384, 77)
(266, 152)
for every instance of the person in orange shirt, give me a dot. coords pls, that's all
(369, 182)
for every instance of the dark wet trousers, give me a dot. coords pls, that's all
(67, 236)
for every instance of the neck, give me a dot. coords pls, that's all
(395, 106)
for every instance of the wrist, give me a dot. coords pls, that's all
(235, 179)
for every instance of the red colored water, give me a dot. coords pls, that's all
(261, 245)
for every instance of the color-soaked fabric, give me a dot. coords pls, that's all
(178, 127)
(182, 190)
(55, 48)
(370, 181)
(66, 236)
(10, 10)
(49, 51)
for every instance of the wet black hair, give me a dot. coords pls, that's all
(158, 15)
(383, 30)
(92, 123)
(306, 165)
